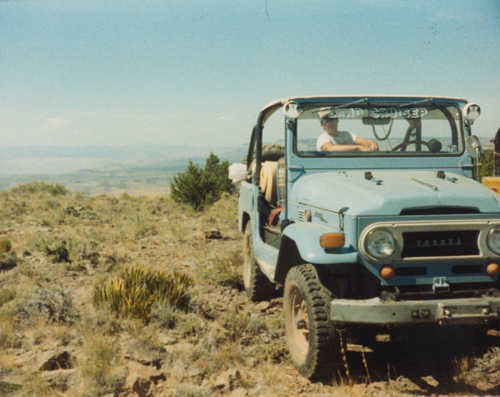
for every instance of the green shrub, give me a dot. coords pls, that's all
(6, 295)
(487, 167)
(199, 187)
(40, 187)
(8, 261)
(57, 250)
(138, 289)
(5, 245)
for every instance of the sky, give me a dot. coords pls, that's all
(128, 72)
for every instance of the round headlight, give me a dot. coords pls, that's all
(494, 239)
(380, 243)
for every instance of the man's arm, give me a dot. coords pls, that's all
(330, 147)
(366, 145)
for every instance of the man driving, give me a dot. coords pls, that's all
(333, 140)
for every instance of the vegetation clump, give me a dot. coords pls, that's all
(8, 258)
(8, 261)
(40, 187)
(200, 187)
(5, 246)
(487, 164)
(138, 289)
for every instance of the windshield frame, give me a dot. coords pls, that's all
(442, 104)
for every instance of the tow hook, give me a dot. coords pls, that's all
(440, 285)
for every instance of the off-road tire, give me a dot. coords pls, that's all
(309, 333)
(257, 285)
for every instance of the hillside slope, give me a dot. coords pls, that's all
(55, 340)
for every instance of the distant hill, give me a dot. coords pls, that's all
(101, 169)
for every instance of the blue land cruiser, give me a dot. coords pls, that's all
(368, 213)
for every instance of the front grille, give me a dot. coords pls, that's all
(441, 243)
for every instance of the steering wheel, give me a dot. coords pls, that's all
(403, 145)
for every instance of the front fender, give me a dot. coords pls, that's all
(307, 237)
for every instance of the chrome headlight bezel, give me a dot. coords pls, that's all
(390, 242)
(493, 239)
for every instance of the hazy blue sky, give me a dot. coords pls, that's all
(120, 72)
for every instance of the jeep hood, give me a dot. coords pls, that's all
(388, 192)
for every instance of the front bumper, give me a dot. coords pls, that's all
(440, 311)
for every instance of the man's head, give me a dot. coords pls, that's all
(330, 124)
(326, 120)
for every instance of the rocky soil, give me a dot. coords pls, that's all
(55, 341)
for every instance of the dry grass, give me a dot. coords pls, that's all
(101, 368)
(67, 246)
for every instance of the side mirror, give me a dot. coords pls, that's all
(471, 113)
(292, 110)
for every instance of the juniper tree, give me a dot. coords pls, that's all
(199, 187)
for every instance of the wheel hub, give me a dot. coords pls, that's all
(300, 322)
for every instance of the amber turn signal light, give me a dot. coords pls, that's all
(332, 240)
(492, 269)
(387, 272)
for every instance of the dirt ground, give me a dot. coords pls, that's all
(55, 340)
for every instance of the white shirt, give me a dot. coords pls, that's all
(343, 138)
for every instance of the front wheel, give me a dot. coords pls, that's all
(309, 333)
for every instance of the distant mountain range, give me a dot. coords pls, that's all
(101, 169)
(56, 160)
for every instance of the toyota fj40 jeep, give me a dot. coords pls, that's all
(385, 238)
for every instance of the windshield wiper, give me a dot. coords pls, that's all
(344, 105)
(426, 100)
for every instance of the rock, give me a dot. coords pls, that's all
(227, 379)
(195, 372)
(213, 235)
(239, 392)
(7, 388)
(189, 389)
(222, 381)
(61, 379)
(141, 378)
(166, 339)
(59, 361)
(263, 306)
(142, 387)
(146, 353)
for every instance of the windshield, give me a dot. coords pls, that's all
(419, 129)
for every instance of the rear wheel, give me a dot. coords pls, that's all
(309, 333)
(257, 285)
